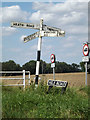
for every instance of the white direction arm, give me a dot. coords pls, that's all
(31, 37)
(25, 25)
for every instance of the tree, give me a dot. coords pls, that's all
(48, 68)
(62, 67)
(30, 66)
(10, 65)
(45, 68)
(88, 66)
(75, 67)
(0, 66)
(42, 67)
(82, 65)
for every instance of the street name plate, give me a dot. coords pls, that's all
(25, 25)
(57, 83)
(85, 59)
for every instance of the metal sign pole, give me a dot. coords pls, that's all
(86, 73)
(38, 53)
(85, 59)
(53, 73)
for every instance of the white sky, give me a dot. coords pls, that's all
(69, 16)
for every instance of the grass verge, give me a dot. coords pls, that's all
(36, 103)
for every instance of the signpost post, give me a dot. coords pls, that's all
(38, 53)
(44, 31)
(86, 73)
(85, 59)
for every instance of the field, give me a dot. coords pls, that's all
(37, 103)
(74, 79)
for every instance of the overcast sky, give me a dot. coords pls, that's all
(72, 17)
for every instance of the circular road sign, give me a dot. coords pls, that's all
(85, 50)
(52, 57)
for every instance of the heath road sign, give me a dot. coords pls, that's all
(25, 25)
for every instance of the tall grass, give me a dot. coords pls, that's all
(37, 103)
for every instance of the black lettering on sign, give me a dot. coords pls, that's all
(57, 83)
(29, 25)
(50, 83)
(14, 23)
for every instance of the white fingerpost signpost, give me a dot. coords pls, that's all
(44, 31)
(85, 59)
(38, 53)
(52, 58)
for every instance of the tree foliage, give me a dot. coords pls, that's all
(10, 65)
(45, 68)
(82, 64)
(30, 66)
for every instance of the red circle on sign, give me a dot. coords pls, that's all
(52, 57)
(85, 50)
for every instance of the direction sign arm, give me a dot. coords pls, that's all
(48, 28)
(31, 37)
(61, 33)
(52, 31)
(25, 25)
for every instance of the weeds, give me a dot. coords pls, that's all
(36, 103)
